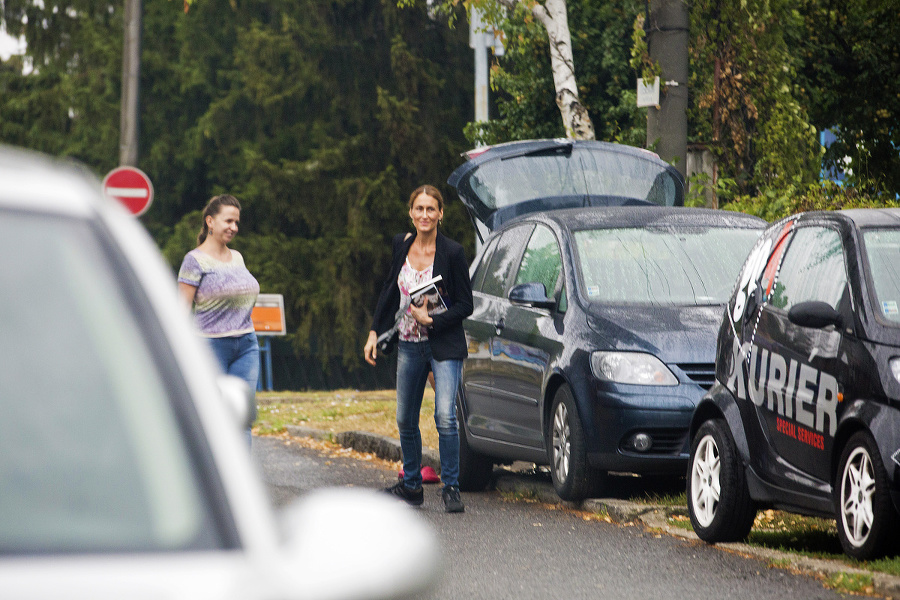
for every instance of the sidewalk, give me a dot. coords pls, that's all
(619, 510)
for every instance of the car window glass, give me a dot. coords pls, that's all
(481, 268)
(541, 261)
(92, 457)
(767, 283)
(883, 251)
(603, 177)
(682, 265)
(505, 258)
(812, 269)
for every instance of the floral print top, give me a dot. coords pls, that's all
(410, 330)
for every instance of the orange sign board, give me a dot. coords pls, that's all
(268, 315)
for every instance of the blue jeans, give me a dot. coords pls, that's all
(414, 361)
(239, 356)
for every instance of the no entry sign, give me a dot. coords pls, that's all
(131, 187)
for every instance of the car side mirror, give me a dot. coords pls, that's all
(349, 544)
(531, 294)
(239, 398)
(814, 314)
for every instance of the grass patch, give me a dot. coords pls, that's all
(519, 495)
(851, 583)
(807, 536)
(341, 410)
(671, 500)
(681, 522)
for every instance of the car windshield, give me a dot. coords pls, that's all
(92, 457)
(583, 173)
(883, 250)
(680, 266)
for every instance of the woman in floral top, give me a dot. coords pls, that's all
(428, 343)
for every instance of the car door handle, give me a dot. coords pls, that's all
(499, 325)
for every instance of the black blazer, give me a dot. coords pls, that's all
(446, 336)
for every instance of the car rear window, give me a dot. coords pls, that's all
(92, 458)
(581, 173)
(666, 266)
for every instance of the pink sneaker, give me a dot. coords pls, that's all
(428, 475)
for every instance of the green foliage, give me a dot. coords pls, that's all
(744, 100)
(777, 204)
(700, 184)
(319, 117)
(68, 105)
(523, 83)
(647, 68)
(849, 82)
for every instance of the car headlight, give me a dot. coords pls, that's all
(631, 367)
(895, 367)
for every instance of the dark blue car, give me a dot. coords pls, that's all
(597, 302)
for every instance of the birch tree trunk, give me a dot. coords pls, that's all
(553, 16)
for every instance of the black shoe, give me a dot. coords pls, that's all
(452, 502)
(413, 497)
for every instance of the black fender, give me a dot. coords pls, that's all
(555, 380)
(883, 422)
(719, 402)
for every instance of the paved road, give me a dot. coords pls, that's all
(500, 548)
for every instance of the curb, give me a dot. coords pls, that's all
(619, 511)
(381, 446)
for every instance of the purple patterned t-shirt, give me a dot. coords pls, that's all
(226, 293)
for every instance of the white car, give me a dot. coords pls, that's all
(123, 473)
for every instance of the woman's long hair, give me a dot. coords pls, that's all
(213, 207)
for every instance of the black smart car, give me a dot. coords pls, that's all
(593, 333)
(805, 412)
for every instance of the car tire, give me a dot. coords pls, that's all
(572, 478)
(719, 503)
(475, 470)
(866, 519)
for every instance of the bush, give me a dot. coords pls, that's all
(828, 195)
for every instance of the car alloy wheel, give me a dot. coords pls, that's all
(572, 478)
(562, 448)
(858, 485)
(866, 517)
(705, 484)
(718, 499)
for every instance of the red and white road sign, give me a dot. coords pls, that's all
(131, 187)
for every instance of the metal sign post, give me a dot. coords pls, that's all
(268, 320)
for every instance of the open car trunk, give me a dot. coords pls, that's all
(498, 183)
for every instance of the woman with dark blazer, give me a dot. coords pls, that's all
(427, 343)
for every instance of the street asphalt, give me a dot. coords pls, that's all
(533, 485)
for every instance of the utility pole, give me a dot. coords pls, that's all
(131, 74)
(667, 40)
(478, 42)
(481, 41)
